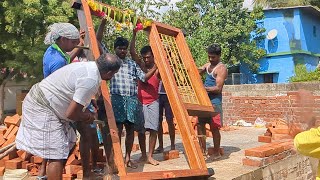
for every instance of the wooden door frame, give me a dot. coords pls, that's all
(190, 141)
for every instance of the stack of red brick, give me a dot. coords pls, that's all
(18, 159)
(268, 153)
(279, 139)
(73, 166)
(276, 130)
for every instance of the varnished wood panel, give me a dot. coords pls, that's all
(174, 174)
(190, 141)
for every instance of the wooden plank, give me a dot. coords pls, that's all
(118, 158)
(163, 28)
(192, 69)
(173, 174)
(200, 110)
(191, 145)
(86, 23)
(190, 141)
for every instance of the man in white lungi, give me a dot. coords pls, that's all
(50, 105)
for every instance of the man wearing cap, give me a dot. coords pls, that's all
(62, 38)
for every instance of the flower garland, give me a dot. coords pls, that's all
(123, 19)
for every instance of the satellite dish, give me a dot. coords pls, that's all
(272, 34)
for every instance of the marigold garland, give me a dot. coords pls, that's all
(123, 18)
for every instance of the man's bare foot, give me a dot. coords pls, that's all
(158, 150)
(143, 158)
(153, 161)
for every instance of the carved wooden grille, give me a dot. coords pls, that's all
(178, 67)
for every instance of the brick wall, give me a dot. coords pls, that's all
(271, 102)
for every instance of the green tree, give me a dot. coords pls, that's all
(303, 75)
(286, 3)
(23, 25)
(222, 22)
(147, 9)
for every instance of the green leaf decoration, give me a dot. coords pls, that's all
(135, 20)
(123, 18)
(119, 16)
(129, 18)
(109, 12)
(115, 15)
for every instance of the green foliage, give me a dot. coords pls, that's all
(286, 3)
(222, 22)
(143, 8)
(23, 25)
(302, 75)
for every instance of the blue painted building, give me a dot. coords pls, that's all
(296, 41)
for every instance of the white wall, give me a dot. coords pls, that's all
(10, 94)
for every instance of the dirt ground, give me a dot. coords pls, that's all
(228, 167)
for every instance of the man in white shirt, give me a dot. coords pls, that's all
(54, 102)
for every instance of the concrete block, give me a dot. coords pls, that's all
(2, 169)
(2, 161)
(73, 169)
(173, 154)
(278, 137)
(279, 130)
(34, 171)
(8, 131)
(277, 148)
(135, 147)
(36, 159)
(2, 140)
(13, 164)
(9, 141)
(265, 139)
(80, 174)
(13, 132)
(24, 164)
(67, 177)
(29, 166)
(23, 155)
(294, 129)
(11, 155)
(72, 160)
(252, 162)
(3, 131)
(259, 152)
(165, 128)
(14, 120)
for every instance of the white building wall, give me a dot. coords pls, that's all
(10, 94)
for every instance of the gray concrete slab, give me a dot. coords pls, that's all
(228, 167)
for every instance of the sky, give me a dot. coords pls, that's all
(166, 8)
(246, 4)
